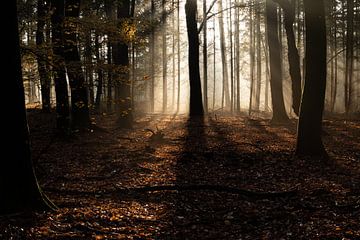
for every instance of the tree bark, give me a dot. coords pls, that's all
(80, 117)
(61, 86)
(45, 79)
(196, 105)
(309, 142)
(279, 112)
(18, 185)
(121, 60)
(293, 53)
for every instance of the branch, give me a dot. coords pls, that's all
(182, 188)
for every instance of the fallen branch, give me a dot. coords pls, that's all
(182, 188)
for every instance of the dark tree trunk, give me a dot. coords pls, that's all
(279, 112)
(164, 59)
(18, 185)
(309, 142)
(61, 87)
(205, 60)
(45, 79)
(123, 84)
(79, 92)
(349, 62)
(109, 11)
(196, 105)
(100, 74)
(293, 53)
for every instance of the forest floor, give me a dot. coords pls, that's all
(224, 177)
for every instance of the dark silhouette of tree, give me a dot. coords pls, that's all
(309, 140)
(196, 105)
(121, 60)
(279, 112)
(293, 54)
(61, 87)
(18, 185)
(79, 95)
(44, 75)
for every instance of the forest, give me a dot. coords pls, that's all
(180, 119)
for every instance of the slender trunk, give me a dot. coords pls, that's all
(279, 112)
(110, 15)
(61, 87)
(252, 57)
(349, 61)
(79, 93)
(230, 36)
(309, 140)
(152, 53)
(258, 60)
(196, 105)
(223, 58)
(179, 59)
(293, 53)
(164, 59)
(237, 56)
(100, 74)
(121, 61)
(45, 79)
(205, 60)
(214, 70)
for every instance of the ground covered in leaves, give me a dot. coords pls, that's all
(224, 177)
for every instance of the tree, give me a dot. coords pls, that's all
(196, 105)
(45, 79)
(279, 112)
(121, 60)
(61, 87)
(18, 185)
(288, 7)
(79, 96)
(309, 140)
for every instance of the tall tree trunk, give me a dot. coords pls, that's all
(237, 56)
(121, 60)
(349, 62)
(196, 105)
(45, 79)
(80, 117)
(164, 58)
(179, 59)
(61, 87)
(223, 58)
(100, 74)
(89, 69)
(309, 140)
(205, 60)
(258, 58)
(173, 57)
(252, 56)
(110, 15)
(230, 36)
(152, 52)
(288, 7)
(279, 112)
(18, 185)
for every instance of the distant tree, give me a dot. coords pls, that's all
(288, 7)
(61, 86)
(18, 185)
(79, 94)
(196, 105)
(277, 96)
(121, 60)
(309, 140)
(44, 75)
